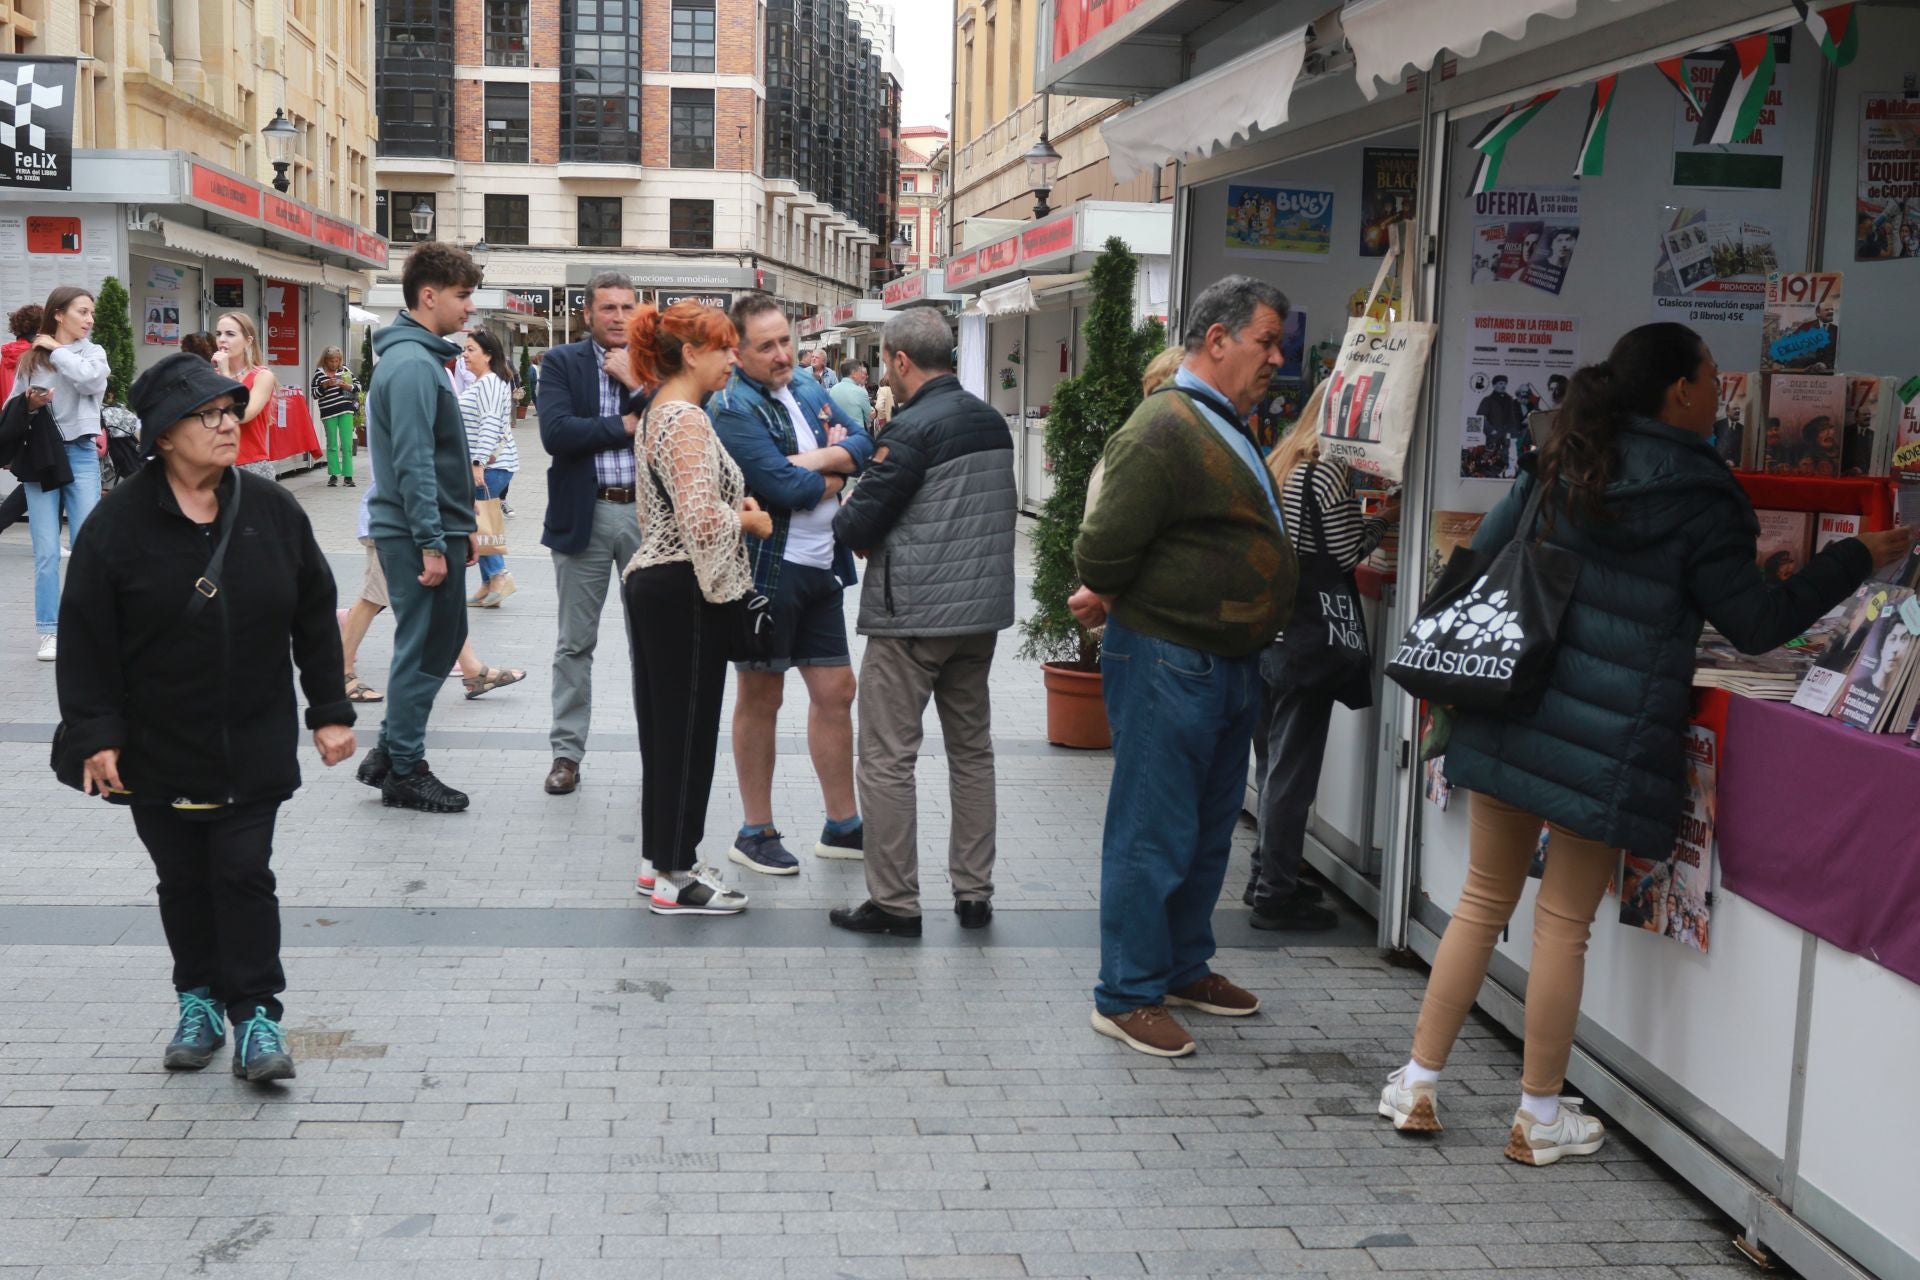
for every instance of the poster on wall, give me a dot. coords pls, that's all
(1887, 220)
(1288, 223)
(1389, 187)
(1800, 323)
(39, 253)
(229, 293)
(283, 323)
(1277, 410)
(1711, 266)
(1673, 896)
(1516, 365)
(1757, 161)
(36, 122)
(1806, 416)
(1526, 235)
(161, 305)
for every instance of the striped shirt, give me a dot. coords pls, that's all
(613, 468)
(1349, 536)
(328, 401)
(487, 409)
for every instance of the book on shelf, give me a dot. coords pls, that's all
(1806, 416)
(1785, 543)
(1730, 434)
(1449, 529)
(1832, 526)
(1866, 446)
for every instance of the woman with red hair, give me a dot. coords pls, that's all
(691, 565)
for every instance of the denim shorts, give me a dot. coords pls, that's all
(809, 621)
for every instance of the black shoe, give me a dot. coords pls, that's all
(375, 767)
(973, 915)
(349, 482)
(867, 918)
(1293, 915)
(421, 790)
(1302, 891)
(333, 482)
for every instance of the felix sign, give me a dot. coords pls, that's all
(36, 123)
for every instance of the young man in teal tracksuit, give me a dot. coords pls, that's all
(420, 515)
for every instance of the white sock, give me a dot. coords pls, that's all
(1545, 1110)
(678, 879)
(1414, 1074)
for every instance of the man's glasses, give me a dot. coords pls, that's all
(211, 418)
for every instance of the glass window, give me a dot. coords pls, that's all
(692, 129)
(906, 186)
(599, 222)
(693, 35)
(600, 81)
(413, 78)
(393, 213)
(507, 33)
(691, 224)
(506, 220)
(506, 115)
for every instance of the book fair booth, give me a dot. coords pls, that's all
(1565, 172)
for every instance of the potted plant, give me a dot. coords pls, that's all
(1085, 410)
(113, 330)
(523, 394)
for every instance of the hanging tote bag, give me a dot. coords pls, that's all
(1325, 641)
(1373, 394)
(1486, 635)
(489, 524)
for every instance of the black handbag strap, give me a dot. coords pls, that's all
(1315, 520)
(208, 584)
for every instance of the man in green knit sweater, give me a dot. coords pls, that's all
(1186, 560)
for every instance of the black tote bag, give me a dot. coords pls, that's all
(1486, 635)
(1325, 641)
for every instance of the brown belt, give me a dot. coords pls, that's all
(617, 493)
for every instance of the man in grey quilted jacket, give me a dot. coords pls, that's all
(934, 514)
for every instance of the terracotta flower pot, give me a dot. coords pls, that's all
(1076, 713)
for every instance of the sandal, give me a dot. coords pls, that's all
(490, 679)
(359, 690)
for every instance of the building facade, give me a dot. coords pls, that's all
(923, 182)
(703, 146)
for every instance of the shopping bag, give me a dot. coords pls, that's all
(1373, 393)
(1486, 636)
(1325, 641)
(490, 527)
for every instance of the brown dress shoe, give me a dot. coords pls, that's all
(563, 777)
(1150, 1030)
(1214, 994)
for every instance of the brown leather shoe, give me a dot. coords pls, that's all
(1150, 1030)
(563, 777)
(1214, 994)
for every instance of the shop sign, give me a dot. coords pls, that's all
(36, 123)
(278, 211)
(1076, 22)
(529, 302)
(723, 301)
(238, 198)
(962, 268)
(904, 290)
(1002, 255)
(229, 292)
(1048, 239)
(370, 247)
(576, 301)
(283, 324)
(334, 234)
(228, 195)
(843, 315)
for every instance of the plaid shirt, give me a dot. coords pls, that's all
(613, 468)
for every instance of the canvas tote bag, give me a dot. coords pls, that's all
(489, 525)
(1373, 394)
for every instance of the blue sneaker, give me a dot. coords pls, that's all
(850, 845)
(764, 853)
(202, 1031)
(260, 1050)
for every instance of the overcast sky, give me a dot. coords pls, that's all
(923, 43)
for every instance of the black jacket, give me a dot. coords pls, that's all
(198, 715)
(936, 518)
(31, 444)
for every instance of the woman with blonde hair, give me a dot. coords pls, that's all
(236, 355)
(334, 401)
(1161, 368)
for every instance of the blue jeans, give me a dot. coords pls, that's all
(496, 487)
(43, 517)
(1183, 724)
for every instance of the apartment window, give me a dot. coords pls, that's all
(393, 210)
(690, 224)
(506, 114)
(692, 129)
(413, 78)
(906, 186)
(936, 182)
(599, 222)
(507, 33)
(506, 220)
(693, 35)
(600, 81)
(906, 231)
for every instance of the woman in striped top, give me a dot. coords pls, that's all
(1290, 752)
(487, 407)
(333, 400)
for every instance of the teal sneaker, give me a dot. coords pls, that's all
(260, 1049)
(202, 1030)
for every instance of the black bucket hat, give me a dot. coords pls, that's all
(172, 389)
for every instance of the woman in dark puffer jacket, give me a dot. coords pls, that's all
(1666, 539)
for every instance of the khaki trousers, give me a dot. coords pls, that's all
(897, 675)
(1503, 842)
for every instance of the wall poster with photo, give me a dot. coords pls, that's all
(1526, 235)
(1887, 220)
(1516, 365)
(1712, 266)
(1389, 190)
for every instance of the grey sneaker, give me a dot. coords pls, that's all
(764, 853)
(201, 1033)
(1571, 1134)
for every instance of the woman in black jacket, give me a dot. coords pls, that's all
(185, 593)
(1666, 539)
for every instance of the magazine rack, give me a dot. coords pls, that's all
(1870, 497)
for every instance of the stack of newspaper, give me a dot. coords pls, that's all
(1768, 677)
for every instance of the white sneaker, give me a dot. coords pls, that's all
(1572, 1134)
(1413, 1108)
(49, 648)
(704, 895)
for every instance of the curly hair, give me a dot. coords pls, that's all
(25, 322)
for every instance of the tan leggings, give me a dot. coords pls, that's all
(1578, 869)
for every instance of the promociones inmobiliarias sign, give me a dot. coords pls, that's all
(36, 122)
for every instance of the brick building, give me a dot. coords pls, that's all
(923, 187)
(699, 145)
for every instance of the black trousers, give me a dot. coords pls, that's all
(217, 901)
(679, 677)
(1288, 753)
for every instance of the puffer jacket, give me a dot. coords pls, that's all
(935, 516)
(1602, 755)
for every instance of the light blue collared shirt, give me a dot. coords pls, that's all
(1236, 439)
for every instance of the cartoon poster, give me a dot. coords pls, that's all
(1887, 218)
(1516, 365)
(1288, 223)
(1711, 266)
(1526, 235)
(1389, 189)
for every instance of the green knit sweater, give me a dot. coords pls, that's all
(1184, 535)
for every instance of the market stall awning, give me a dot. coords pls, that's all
(1025, 294)
(1391, 37)
(205, 244)
(1205, 114)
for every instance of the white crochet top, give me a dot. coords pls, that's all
(702, 525)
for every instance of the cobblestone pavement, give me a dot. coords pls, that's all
(507, 1070)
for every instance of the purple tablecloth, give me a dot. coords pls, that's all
(1818, 824)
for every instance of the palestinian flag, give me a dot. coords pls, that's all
(1593, 145)
(1493, 140)
(1834, 27)
(1739, 91)
(1676, 75)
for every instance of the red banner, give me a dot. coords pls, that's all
(228, 194)
(283, 324)
(278, 211)
(333, 234)
(904, 290)
(962, 269)
(1077, 21)
(1048, 238)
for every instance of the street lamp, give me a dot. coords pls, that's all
(421, 217)
(1043, 166)
(280, 133)
(479, 252)
(898, 249)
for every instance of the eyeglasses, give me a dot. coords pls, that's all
(211, 418)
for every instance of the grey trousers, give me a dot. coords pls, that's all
(897, 675)
(1288, 752)
(581, 583)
